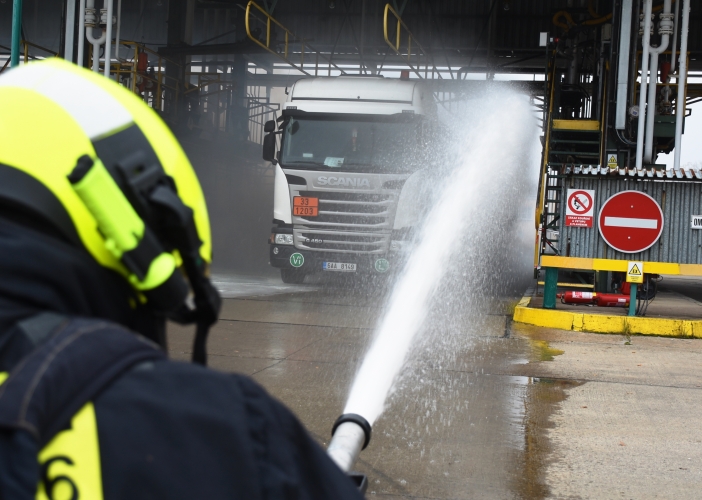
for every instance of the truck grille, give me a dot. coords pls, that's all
(347, 223)
(367, 211)
(341, 241)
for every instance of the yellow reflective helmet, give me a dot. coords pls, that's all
(89, 157)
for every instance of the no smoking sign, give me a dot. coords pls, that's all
(580, 207)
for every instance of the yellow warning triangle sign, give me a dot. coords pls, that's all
(635, 271)
(612, 159)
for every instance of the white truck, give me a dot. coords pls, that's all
(348, 173)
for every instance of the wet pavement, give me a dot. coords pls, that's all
(501, 411)
(458, 425)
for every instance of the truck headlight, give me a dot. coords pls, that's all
(284, 239)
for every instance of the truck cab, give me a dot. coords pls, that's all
(347, 173)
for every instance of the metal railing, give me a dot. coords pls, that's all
(149, 85)
(418, 49)
(25, 52)
(292, 44)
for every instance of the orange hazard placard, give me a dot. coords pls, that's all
(305, 206)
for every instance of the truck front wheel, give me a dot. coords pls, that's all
(292, 276)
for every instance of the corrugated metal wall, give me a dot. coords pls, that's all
(679, 200)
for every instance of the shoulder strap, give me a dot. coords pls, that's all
(81, 357)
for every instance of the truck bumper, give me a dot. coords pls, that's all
(313, 261)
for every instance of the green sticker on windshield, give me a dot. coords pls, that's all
(382, 265)
(297, 259)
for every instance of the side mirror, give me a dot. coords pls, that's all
(269, 146)
(269, 126)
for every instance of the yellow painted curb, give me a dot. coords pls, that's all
(600, 323)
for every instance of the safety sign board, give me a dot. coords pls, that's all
(580, 207)
(634, 272)
(630, 221)
(612, 160)
(696, 222)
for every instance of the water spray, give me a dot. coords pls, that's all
(468, 194)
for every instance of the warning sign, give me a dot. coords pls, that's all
(580, 207)
(612, 161)
(634, 272)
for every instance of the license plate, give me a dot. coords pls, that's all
(305, 206)
(339, 266)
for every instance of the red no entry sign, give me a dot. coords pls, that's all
(630, 221)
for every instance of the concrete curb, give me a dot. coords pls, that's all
(600, 323)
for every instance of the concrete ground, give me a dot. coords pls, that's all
(501, 411)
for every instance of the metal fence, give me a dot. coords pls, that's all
(679, 200)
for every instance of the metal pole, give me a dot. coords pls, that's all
(81, 32)
(108, 38)
(644, 84)
(623, 67)
(16, 32)
(70, 30)
(682, 82)
(550, 287)
(632, 300)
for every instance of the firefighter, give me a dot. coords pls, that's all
(104, 235)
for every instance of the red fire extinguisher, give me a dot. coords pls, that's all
(571, 297)
(595, 298)
(612, 300)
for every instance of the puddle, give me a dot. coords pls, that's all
(542, 398)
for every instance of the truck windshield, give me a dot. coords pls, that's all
(365, 144)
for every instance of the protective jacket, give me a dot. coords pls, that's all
(91, 410)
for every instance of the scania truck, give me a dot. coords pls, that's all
(348, 173)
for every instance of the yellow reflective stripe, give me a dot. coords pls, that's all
(3, 376)
(71, 461)
(49, 154)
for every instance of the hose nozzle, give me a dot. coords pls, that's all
(351, 433)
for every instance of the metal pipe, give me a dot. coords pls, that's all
(648, 4)
(70, 29)
(81, 31)
(682, 82)
(119, 25)
(653, 70)
(96, 42)
(623, 68)
(350, 434)
(108, 38)
(16, 32)
(675, 36)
